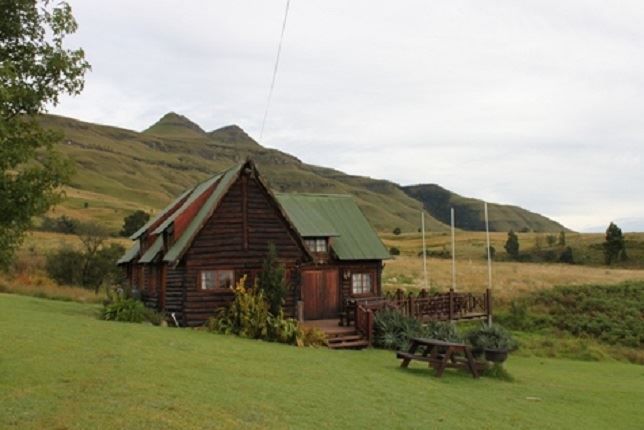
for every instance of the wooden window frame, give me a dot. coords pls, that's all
(364, 275)
(317, 245)
(217, 279)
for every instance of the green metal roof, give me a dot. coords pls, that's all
(149, 255)
(339, 214)
(181, 245)
(308, 222)
(159, 215)
(130, 254)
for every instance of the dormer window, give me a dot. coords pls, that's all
(316, 245)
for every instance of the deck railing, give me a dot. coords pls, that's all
(364, 321)
(424, 306)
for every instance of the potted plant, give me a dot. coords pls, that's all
(494, 340)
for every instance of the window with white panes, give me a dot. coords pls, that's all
(361, 283)
(317, 246)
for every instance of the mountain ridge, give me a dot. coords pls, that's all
(469, 211)
(119, 170)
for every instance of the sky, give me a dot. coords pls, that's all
(534, 103)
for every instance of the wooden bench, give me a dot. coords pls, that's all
(441, 355)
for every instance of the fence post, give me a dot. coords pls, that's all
(410, 304)
(369, 326)
(451, 304)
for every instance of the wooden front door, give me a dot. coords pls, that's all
(321, 294)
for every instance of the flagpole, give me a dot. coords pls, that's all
(422, 222)
(489, 262)
(453, 254)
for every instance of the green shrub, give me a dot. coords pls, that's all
(119, 307)
(519, 317)
(62, 224)
(442, 330)
(512, 245)
(392, 329)
(249, 316)
(394, 251)
(443, 253)
(281, 329)
(133, 222)
(566, 256)
(272, 281)
(87, 269)
(609, 313)
(492, 337)
(311, 336)
(64, 266)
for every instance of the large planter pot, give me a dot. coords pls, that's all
(495, 355)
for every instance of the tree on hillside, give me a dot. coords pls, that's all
(35, 70)
(551, 239)
(567, 256)
(272, 280)
(397, 231)
(614, 245)
(538, 242)
(133, 222)
(512, 245)
(92, 266)
(562, 238)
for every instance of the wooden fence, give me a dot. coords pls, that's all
(424, 306)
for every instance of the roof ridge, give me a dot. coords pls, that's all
(315, 194)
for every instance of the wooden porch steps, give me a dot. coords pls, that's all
(354, 341)
(337, 336)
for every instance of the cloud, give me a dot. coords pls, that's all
(532, 103)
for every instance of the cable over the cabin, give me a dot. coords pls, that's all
(277, 62)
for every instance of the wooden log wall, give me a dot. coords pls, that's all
(236, 238)
(347, 268)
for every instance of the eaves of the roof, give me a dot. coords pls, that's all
(150, 254)
(182, 243)
(130, 254)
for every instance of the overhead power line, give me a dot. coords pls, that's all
(277, 62)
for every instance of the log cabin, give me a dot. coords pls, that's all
(187, 258)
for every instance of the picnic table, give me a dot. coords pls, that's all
(440, 355)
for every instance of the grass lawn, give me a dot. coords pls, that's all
(62, 368)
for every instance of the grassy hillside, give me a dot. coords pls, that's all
(470, 214)
(87, 373)
(120, 170)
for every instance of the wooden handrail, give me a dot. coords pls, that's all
(450, 306)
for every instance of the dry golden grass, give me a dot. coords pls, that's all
(41, 242)
(39, 285)
(28, 277)
(509, 279)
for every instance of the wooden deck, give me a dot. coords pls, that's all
(329, 326)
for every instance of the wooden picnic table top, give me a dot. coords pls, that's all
(436, 342)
